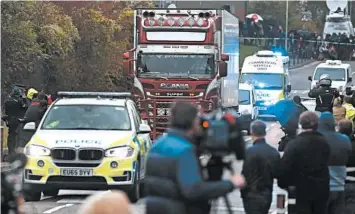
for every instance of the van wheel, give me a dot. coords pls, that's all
(53, 192)
(32, 196)
(134, 193)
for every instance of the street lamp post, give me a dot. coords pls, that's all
(286, 33)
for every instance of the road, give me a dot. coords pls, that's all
(69, 201)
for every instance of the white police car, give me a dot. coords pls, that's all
(87, 140)
(340, 74)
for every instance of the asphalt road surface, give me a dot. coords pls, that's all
(69, 201)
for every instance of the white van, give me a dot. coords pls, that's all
(340, 74)
(247, 105)
(268, 73)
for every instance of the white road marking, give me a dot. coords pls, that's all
(72, 201)
(57, 208)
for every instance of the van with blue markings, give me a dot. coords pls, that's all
(268, 73)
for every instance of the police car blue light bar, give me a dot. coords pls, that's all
(94, 94)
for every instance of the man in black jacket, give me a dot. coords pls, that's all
(346, 128)
(173, 178)
(259, 169)
(324, 94)
(14, 107)
(305, 166)
(37, 109)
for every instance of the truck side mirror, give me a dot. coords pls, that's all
(288, 89)
(222, 69)
(309, 78)
(225, 57)
(125, 55)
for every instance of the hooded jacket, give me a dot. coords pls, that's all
(340, 150)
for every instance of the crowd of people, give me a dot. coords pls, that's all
(301, 43)
(23, 105)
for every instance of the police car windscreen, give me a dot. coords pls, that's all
(336, 74)
(87, 117)
(244, 97)
(176, 65)
(263, 81)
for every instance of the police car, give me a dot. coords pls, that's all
(340, 74)
(87, 140)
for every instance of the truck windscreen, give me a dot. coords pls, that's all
(175, 65)
(263, 81)
(336, 74)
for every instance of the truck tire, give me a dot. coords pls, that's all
(134, 192)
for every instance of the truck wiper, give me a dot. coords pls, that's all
(243, 101)
(188, 75)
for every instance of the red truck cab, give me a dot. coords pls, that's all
(176, 56)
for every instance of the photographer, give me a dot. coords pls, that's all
(173, 179)
(324, 94)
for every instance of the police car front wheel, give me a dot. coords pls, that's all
(32, 196)
(53, 192)
(134, 192)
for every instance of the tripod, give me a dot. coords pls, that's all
(217, 175)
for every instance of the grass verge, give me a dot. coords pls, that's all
(246, 50)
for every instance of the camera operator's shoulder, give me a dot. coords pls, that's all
(171, 146)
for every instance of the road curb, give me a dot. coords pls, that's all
(302, 64)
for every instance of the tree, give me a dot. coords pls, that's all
(34, 35)
(277, 10)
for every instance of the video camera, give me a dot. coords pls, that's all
(11, 185)
(222, 134)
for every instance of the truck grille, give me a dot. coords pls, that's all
(91, 154)
(157, 112)
(63, 154)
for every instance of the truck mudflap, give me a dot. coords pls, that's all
(157, 112)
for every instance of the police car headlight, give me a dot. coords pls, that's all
(120, 152)
(36, 150)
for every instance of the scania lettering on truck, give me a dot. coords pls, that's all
(268, 73)
(181, 54)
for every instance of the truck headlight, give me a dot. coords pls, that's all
(36, 150)
(120, 152)
(341, 88)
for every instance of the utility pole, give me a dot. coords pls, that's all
(286, 33)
